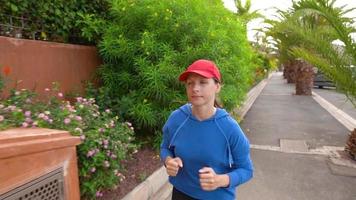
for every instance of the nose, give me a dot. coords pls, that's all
(195, 87)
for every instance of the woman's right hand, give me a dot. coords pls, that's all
(173, 165)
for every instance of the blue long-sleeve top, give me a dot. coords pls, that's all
(217, 142)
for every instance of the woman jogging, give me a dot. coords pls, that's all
(204, 150)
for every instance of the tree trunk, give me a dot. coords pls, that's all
(351, 145)
(285, 69)
(291, 71)
(304, 78)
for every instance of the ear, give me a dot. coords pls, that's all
(218, 87)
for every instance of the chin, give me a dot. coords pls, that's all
(195, 103)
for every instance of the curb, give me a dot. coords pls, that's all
(148, 188)
(341, 116)
(251, 97)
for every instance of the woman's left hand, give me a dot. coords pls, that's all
(209, 180)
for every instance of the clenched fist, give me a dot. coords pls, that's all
(210, 181)
(173, 165)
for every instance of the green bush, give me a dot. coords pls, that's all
(106, 141)
(150, 42)
(56, 20)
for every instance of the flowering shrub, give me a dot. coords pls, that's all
(105, 140)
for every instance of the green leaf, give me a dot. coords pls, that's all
(14, 8)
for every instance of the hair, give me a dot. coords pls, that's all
(216, 103)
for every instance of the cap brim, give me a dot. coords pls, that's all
(184, 75)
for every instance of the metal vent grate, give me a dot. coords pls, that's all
(47, 187)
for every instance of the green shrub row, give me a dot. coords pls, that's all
(149, 43)
(55, 20)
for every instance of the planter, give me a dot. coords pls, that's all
(38, 163)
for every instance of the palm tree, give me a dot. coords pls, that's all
(307, 31)
(244, 11)
(337, 65)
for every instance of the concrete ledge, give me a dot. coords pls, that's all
(341, 116)
(164, 193)
(149, 187)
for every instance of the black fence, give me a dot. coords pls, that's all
(20, 27)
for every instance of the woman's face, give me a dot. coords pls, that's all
(201, 91)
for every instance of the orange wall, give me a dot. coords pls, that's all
(36, 64)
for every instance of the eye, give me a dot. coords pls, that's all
(203, 82)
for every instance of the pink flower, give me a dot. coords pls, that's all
(82, 137)
(93, 169)
(113, 156)
(112, 124)
(50, 121)
(107, 110)
(47, 89)
(105, 142)
(24, 124)
(60, 94)
(91, 100)
(41, 115)
(79, 99)
(12, 108)
(78, 118)
(28, 120)
(66, 121)
(2, 118)
(90, 153)
(46, 118)
(129, 124)
(101, 130)
(28, 113)
(99, 194)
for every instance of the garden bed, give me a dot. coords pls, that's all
(141, 166)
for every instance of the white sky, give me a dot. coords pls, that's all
(265, 7)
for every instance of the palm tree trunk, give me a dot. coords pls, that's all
(351, 145)
(304, 78)
(291, 71)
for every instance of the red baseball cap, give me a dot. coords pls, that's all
(205, 68)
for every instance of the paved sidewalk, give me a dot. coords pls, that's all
(289, 134)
